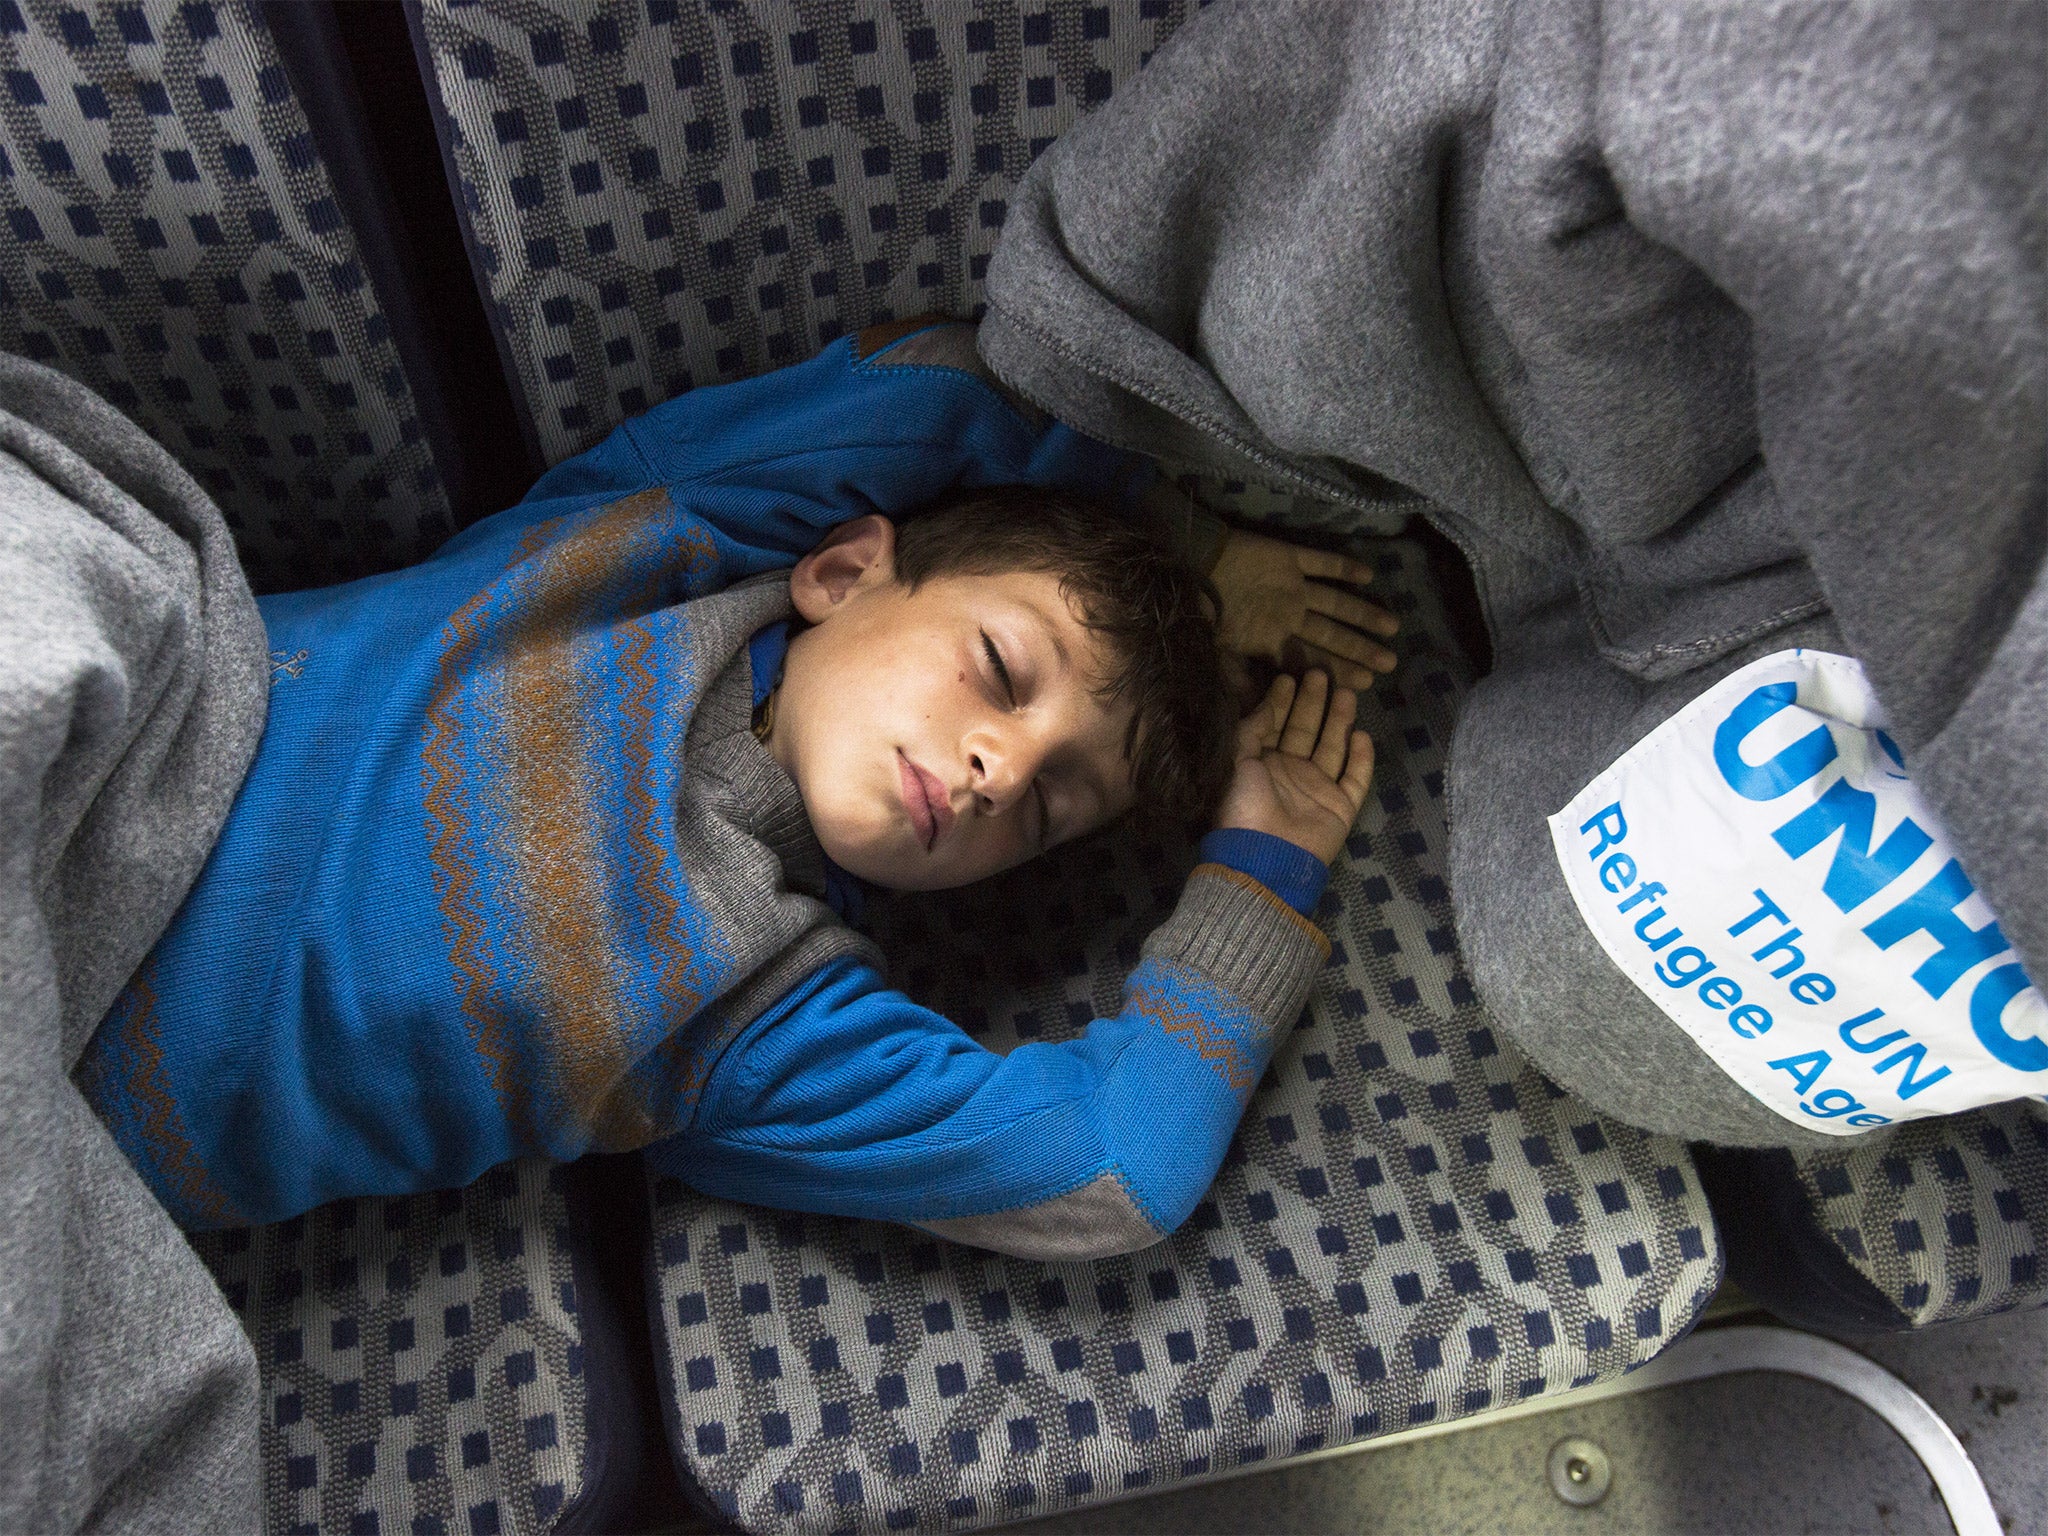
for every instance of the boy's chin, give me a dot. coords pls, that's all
(893, 877)
(886, 868)
(906, 875)
(931, 880)
(893, 865)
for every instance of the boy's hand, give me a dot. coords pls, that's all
(1302, 770)
(1276, 605)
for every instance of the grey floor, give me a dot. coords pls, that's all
(1755, 1454)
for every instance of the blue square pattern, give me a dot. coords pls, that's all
(1530, 1242)
(237, 104)
(372, 1377)
(1944, 1217)
(504, 86)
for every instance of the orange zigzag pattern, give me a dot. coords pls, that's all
(445, 843)
(163, 1128)
(626, 1122)
(1207, 1041)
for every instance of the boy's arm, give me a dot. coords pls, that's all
(879, 422)
(849, 1098)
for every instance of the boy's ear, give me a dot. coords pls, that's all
(854, 557)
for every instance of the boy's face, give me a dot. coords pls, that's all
(941, 735)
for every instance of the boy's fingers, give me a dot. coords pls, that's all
(1348, 674)
(1355, 611)
(1331, 566)
(1306, 718)
(1357, 770)
(1251, 734)
(1337, 638)
(1272, 714)
(1336, 736)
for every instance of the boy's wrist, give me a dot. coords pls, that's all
(1290, 871)
(1237, 934)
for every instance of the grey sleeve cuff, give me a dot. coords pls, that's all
(1245, 939)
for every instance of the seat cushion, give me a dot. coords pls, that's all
(175, 240)
(1939, 1220)
(440, 1364)
(1411, 1225)
(682, 192)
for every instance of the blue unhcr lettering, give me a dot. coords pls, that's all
(1748, 1020)
(1610, 824)
(1856, 874)
(1656, 941)
(1719, 992)
(1783, 943)
(1867, 850)
(1765, 908)
(1913, 1055)
(1813, 988)
(1804, 1069)
(1676, 970)
(1932, 909)
(1617, 872)
(1832, 1104)
(1850, 1026)
(1793, 766)
(1987, 1018)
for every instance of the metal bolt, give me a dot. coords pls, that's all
(1579, 1472)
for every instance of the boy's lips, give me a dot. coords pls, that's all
(926, 800)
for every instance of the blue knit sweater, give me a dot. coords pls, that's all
(455, 916)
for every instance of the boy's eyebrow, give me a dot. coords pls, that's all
(1052, 632)
(1103, 791)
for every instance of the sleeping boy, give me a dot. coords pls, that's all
(548, 841)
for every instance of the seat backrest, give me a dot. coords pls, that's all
(179, 238)
(679, 192)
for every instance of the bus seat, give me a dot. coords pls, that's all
(1413, 1225)
(671, 194)
(445, 1362)
(194, 230)
(1938, 1220)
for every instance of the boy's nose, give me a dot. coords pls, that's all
(999, 776)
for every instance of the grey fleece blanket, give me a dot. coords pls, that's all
(133, 685)
(1707, 330)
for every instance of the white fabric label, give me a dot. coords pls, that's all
(1762, 868)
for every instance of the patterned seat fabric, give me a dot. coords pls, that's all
(1939, 1220)
(676, 192)
(1412, 1224)
(442, 1365)
(175, 240)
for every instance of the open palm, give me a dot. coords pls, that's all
(1302, 768)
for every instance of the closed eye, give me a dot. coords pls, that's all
(995, 660)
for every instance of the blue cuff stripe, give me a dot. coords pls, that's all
(1286, 869)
